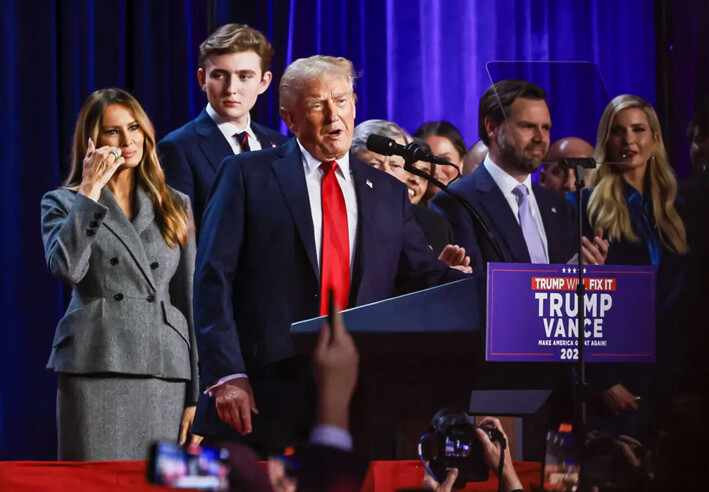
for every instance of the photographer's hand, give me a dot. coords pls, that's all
(447, 486)
(509, 480)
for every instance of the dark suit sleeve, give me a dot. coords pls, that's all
(418, 266)
(178, 172)
(181, 286)
(462, 225)
(220, 243)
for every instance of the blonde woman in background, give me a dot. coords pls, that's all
(634, 187)
(634, 203)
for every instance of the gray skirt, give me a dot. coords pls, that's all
(115, 417)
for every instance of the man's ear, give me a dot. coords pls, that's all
(542, 175)
(202, 78)
(288, 119)
(490, 128)
(354, 105)
(265, 82)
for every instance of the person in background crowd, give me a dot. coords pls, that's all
(474, 157)
(125, 351)
(282, 227)
(437, 231)
(695, 192)
(445, 141)
(634, 200)
(233, 72)
(391, 164)
(552, 175)
(698, 135)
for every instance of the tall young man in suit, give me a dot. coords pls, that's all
(281, 228)
(233, 72)
(530, 224)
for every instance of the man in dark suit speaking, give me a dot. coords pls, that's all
(281, 227)
(531, 224)
(233, 72)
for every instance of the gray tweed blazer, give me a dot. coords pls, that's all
(131, 304)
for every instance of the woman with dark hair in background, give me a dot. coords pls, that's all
(125, 351)
(445, 141)
(634, 202)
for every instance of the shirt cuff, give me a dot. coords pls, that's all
(331, 436)
(223, 380)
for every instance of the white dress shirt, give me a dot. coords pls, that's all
(506, 184)
(229, 129)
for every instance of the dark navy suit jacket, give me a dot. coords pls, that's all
(481, 191)
(191, 155)
(257, 270)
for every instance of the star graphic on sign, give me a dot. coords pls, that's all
(563, 269)
(574, 270)
(584, 269)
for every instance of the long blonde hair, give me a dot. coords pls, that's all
(607, 208)
(172, 213)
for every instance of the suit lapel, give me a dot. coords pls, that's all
(212, 142)
(117, 222)
(266, 142)
(291, 177)
(366, 213)
(500, 218)
(145, 213)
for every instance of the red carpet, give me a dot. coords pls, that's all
(114, 476)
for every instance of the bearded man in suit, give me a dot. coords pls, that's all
(530, 224)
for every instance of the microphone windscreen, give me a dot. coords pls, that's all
(380, 145)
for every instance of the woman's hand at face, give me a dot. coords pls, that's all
(99, 166)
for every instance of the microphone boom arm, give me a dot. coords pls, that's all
(408, 166)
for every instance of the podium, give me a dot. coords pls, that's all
(428, 350)
(419, 353)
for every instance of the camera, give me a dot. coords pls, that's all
(454, 444)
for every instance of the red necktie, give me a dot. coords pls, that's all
(243, 139)
(335, 265)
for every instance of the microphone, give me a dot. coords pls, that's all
(411, 152)
(574, 162)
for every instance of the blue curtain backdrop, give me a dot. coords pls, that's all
(419, 60)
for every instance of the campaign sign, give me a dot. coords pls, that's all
(531, 313)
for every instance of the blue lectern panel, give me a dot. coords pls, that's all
(454, 307)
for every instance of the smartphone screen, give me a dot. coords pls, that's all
(172, 466)
(331, 307)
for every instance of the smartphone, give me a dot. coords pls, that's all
(196, 467)
(561, 465)
(331, 307)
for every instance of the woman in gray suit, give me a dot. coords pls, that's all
(124, 352)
